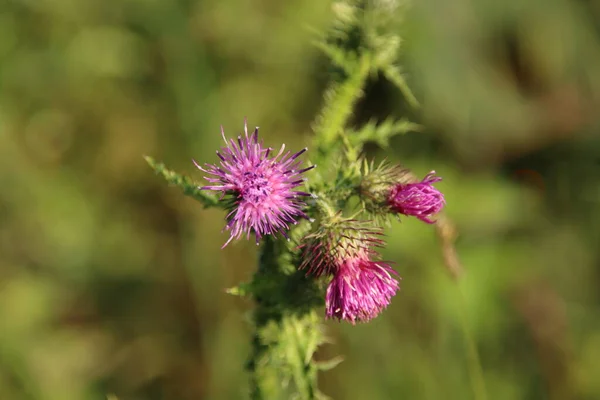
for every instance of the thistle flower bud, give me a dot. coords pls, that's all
(419, 199)
(261, 188)
(335, 240)
(361, 286)
(376, 183)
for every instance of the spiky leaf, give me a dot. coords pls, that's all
(189, 187)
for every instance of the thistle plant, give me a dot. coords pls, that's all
(318, 251)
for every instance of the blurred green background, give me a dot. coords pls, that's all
(112, 284)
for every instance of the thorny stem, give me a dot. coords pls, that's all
(347, 93)
(262, 379)
(286, 328)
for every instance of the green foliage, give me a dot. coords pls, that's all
(381, 133)
(188, 187)
(394, 75)
(361, 42)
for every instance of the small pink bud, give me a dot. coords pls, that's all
(419, 199)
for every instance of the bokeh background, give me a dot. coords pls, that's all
(112, 284)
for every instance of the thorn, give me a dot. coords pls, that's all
(223, 135)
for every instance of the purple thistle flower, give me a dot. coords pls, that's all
(360, 289)
(263, 199)
(419, 199)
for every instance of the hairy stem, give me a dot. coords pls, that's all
(339, 105)
(287, 331)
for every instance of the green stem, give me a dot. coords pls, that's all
(287, 331)
(339, 105)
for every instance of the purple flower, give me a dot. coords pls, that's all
(360, 289)
(263, 199)
(361, 286)
(419, 199)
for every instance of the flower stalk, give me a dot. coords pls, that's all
(286, 332)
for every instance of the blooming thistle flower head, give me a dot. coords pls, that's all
(261, 186)
(361, 286)
(419, 199)
(360, 289)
